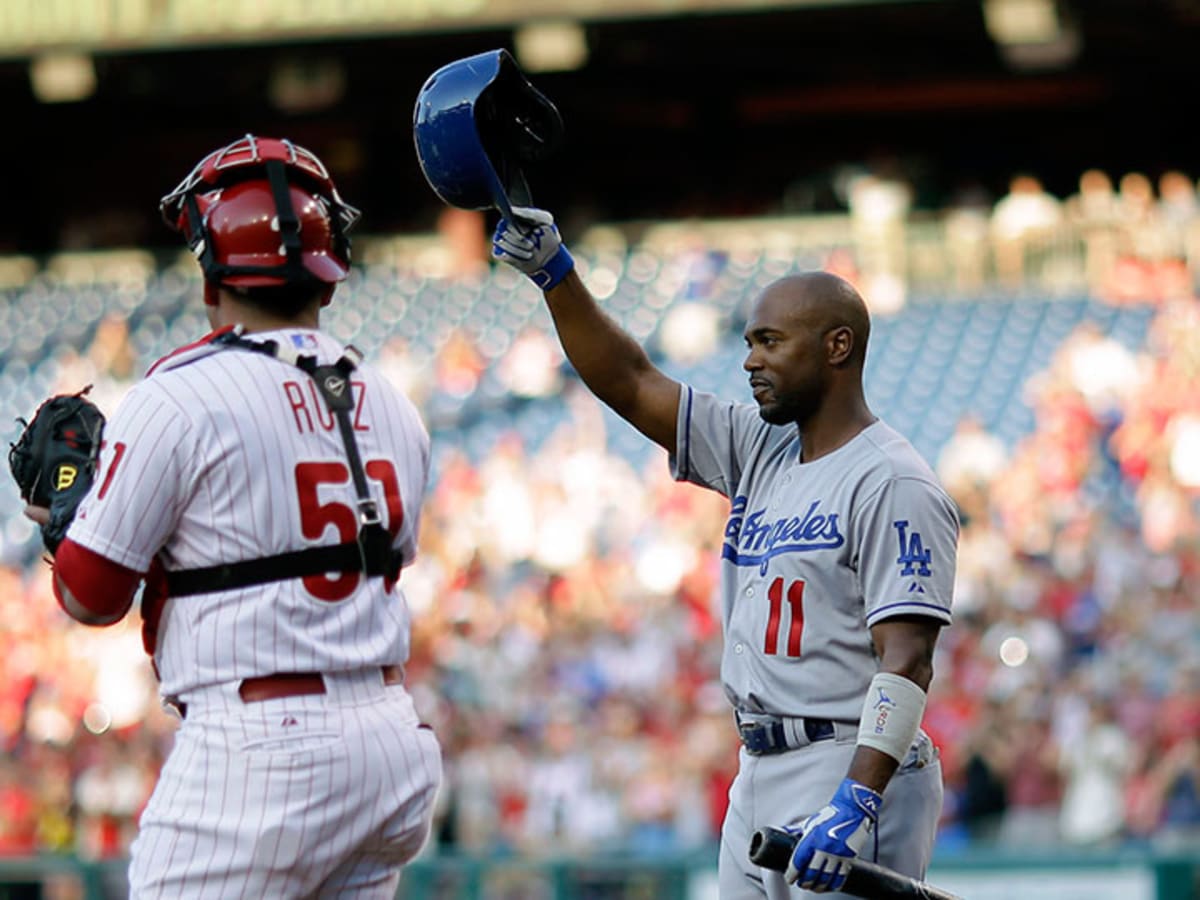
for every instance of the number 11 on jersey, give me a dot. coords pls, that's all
(795, 602)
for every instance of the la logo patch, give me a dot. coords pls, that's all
(914, 558)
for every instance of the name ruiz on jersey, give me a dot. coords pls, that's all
(752, 540)
(309, 410)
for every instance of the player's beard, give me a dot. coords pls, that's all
(791, 407)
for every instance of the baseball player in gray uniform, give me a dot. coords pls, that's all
(837, 568)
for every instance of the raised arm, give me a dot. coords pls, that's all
(611, 363)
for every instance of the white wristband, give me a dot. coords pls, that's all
(891, 715)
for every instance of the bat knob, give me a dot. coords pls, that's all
(772, 847)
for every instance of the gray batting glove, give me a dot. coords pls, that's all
(532, 245)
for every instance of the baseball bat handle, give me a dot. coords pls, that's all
(772, 848)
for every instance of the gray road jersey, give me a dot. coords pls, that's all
(814, 554)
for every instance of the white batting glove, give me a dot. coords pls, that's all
(532, 245)
(832, 838)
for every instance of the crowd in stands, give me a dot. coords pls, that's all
(1072, 710)
(566, 644)
(1133, 240)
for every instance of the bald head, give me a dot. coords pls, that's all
(822, 302)
(806, 342)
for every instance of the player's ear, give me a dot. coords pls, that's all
(839, 344)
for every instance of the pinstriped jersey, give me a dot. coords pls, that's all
(814, 553)
(223, 455)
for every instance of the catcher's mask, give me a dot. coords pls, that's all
(477, 121)
(263, 212)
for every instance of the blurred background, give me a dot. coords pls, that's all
(1011, 183)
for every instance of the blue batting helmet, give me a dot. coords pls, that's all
(477, 121)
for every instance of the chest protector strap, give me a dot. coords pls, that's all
(371, 552)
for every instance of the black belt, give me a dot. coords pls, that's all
(768, 737)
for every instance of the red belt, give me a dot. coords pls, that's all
(293, 684)
(299, 684)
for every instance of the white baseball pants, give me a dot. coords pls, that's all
(296, 797)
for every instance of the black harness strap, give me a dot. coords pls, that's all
(289, 222)
(371, 552)
(292, 268)
(296, 564)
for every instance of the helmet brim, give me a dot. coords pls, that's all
(322, 266)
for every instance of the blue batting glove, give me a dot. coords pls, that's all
(532, 245)
(832, 837)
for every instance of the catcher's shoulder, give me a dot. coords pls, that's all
(188, 353)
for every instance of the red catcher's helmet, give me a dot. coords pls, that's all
(263, 212)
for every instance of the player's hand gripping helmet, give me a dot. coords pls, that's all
(263, 212)
(477, 121)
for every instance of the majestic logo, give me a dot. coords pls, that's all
(914, 558)
(753, 540)
(65, 476)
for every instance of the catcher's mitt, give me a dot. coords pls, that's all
(54, 459)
